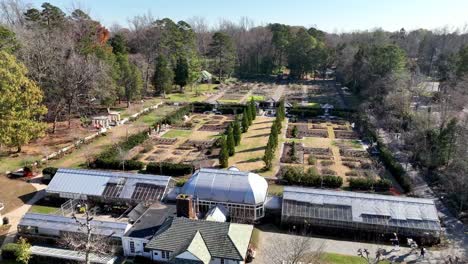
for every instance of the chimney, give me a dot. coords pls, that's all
(184, 206)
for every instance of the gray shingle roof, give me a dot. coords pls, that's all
(177, 236)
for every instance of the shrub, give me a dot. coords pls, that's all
(117, 164)
(328, 172)
(349, 164)
(297, 176)
(351, 173)
(9, 251)
(394, 167)
(366, 165)
(327, 163)
(312, 160)
(169, 169)
(181, 182)
(366, 184)
(50, 171)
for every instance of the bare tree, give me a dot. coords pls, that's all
(293, 250)
(367, 256)
(86, 240)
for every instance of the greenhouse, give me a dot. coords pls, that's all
(242, 193)
(382, 214)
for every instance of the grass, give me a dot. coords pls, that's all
(257, 98)
(14, 163)
(275, 189)
(333, 258)
(229, 101)
(190, 95)
(41, 209)
(14, 193)
(174, 133)
(313, 104)
(249, 153)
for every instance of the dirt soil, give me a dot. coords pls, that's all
(14, 193)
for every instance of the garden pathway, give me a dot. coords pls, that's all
(15, 216)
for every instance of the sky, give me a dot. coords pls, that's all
(327, 15)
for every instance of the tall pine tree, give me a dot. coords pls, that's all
(223, 154)
(245, 121)
(231, 144)
(237, 131)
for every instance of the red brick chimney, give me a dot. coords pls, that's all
(184, 206)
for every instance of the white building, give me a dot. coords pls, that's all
(183, 240)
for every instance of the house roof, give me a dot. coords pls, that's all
(217, 213)
(179, 233)
(109, 184)
(364, 207)
(231, 186)
(151, 220)
(64, 223)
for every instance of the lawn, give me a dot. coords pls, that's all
(41, 209)
(190, 95)
(14, 163)
(249, 153)
(78, 157)
(228, 101)
(174, 133)
(313, 104)
(257, 98)
(14, 193)
(332, 258)
(275, 189)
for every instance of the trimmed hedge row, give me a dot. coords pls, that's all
(169, 169)
(175, 116)
(366, 184)
(113, 164)
(109, 158)
(394, 167)
(297, 176)
(304, 111)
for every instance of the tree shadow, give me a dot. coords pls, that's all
(251, 150)
(260, 135)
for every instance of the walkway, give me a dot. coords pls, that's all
(16, 215)
(272, 242)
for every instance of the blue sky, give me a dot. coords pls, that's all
(328, 15)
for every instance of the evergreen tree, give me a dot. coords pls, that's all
(163, 76)
(253, 109)
(245, 122)
(248, 113)
(223, 55)
(223, 154)
(237, 132)
(181, 72)
(231, 144)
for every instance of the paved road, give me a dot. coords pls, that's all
(457, 238)
(273, 246)
(16, 215)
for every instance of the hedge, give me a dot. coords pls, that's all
(297, 176)
(49, 171)
(366, 184)
(394, 167)
(304, 111)
(9, 251)
(108, 159)
(114, 164)
(169, 169)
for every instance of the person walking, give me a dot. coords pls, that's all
(423, 252)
